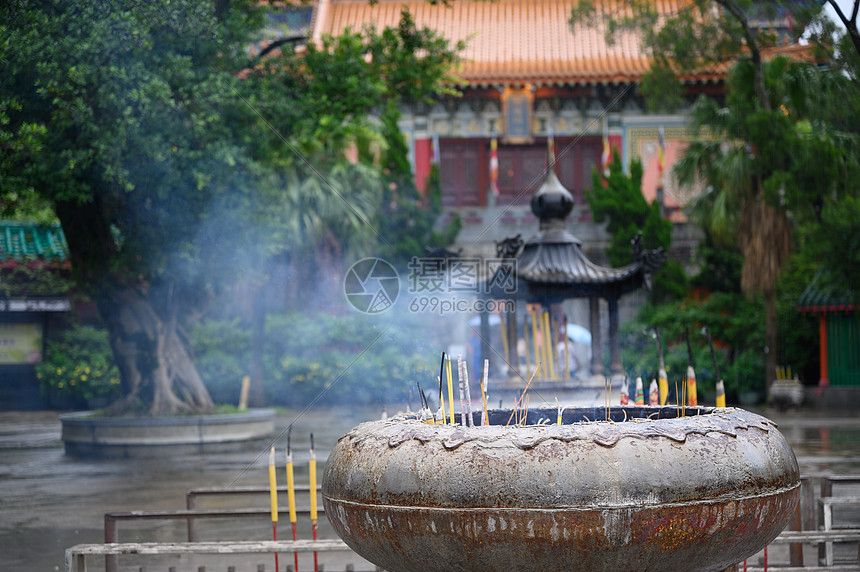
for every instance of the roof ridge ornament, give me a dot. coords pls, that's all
(651, 260)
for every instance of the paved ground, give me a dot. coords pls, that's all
(49, 501)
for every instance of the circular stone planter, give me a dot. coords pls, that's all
(85, 435)
(648, 490)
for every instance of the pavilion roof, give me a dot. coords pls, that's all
(29, 242)
(512, 42)
(824, 294)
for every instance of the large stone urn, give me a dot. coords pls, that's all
(652, 488)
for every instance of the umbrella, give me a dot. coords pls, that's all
(579, 334)
(494, 321)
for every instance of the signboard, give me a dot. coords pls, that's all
(20, 343)
(36, 305)
(517, 110)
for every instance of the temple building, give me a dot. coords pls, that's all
(531, 81)
(529, 75)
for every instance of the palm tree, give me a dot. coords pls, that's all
(742, 165)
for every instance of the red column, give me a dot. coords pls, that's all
(423, 151)
(822, 336)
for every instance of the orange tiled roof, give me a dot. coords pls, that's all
(510, 42)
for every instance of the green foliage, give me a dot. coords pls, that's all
(406, 219)
(24, 280)
(18, 201)
(319, 358)
(337, 91)
(620, 201)
(79, 365)
(719, 267)
(175, 164)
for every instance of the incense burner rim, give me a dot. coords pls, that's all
(692, 421)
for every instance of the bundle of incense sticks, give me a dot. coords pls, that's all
(485, 417)
(462, 390)
(450, 390)
(470, 421)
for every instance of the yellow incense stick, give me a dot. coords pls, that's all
(550, 344)
(545, 370)
(312, 478)
(663, 385)
(273, 486)
(291, 487)
(528, 351)
(535, 340)
(450, 389)
(504, 335)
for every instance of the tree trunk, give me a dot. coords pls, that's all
(153, 357)
(151, 351)
(258, 335)
(771, 334)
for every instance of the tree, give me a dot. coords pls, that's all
(752, 170)
(134, 155)
(333, 111)
(171, 172)
(767, 171)
(619, 198)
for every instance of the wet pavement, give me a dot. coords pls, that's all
(49, 501)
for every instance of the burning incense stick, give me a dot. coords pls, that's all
(662, 378)
(462, 390)
(566, 351)
(470, 420)
(516, 403)
(535, 340)
(721, 388)
(485, 419)
(273, 498)
(721, 394)
(441, 392)
(291, 493)
(640, 393)
(312, 478)
(450, 389)
(526, 341)
(691, 373)
(550, 343)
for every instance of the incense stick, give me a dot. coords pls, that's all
(450, 388)
(470, 420)
(273, 498)
(441, 393)
(312, 479)
(291, 493)
(535, 340)
(521, 396)
(485, 420)
(462, 390)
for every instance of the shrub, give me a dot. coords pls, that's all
(79, 366)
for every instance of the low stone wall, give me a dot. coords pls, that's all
(85, 435)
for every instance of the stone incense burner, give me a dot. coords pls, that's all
(652, 488)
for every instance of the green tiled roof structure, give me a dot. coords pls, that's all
(23, 242)
(821, 295)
